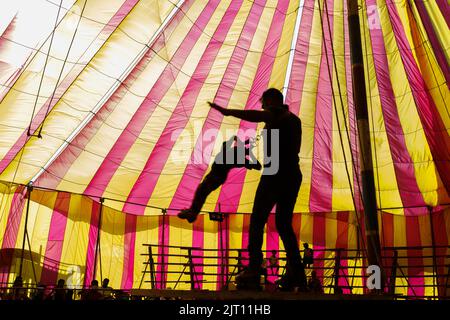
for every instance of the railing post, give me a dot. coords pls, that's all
(162, 283)
(25, 232)
(152, 267)
(447, 284)
(191, 269)
(433, 244)
(98, 254)
(337, 267)
(393, 277)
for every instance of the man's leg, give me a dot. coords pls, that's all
(208, 185)
(285, 206)
(263, 204)
(264, 201)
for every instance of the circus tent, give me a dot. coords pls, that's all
(103, 112)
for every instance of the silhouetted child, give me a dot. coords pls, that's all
(229, 157)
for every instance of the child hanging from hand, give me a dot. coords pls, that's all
(226, 160)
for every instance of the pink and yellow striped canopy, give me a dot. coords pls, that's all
(118, 91)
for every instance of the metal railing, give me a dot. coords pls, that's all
(407, 271)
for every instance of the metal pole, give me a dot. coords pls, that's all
(433, 243)
(222, 269)
(227, 251)
(337, 267)
(29, 190)
(360, 101)
(163, 255)
(31, 258)
(152, 267)
(393, 277)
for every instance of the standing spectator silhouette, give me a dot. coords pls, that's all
(106, 291)
(226, 160)
(39, 294)
(308, 255)
(18, 292)
(92, 293)
(273, 263)
(59, 292)
(280, 188)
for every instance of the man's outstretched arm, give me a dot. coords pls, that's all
(247, 115)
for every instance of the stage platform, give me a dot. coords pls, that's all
(249, 295)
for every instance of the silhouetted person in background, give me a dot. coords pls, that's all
(39, 294)
(239, 264)
(280, 189)
(308, 255)
(18, 292)
(92, 293)
(273, 263)
(264, 269)
(226, 160)
(107, 291)
(59, 292)
(314, 284)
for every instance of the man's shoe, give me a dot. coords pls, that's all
(248, 279)
(291, 281)
(187, 214)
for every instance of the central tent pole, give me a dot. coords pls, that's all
(360, 101)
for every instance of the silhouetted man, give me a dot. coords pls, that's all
(280, 189)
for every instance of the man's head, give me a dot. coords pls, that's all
(305, 245)
(105, 283)
(94, 283)
(272, 98)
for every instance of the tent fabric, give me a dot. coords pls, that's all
(123, 116)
